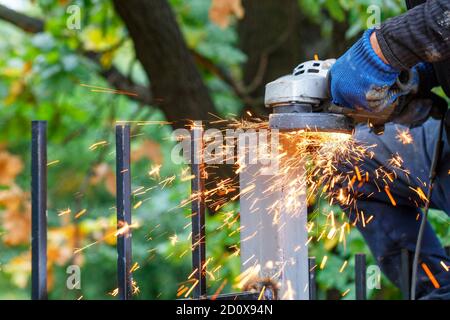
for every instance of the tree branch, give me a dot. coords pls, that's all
(176, 83)
(222, 74)
(112, 75)
(121, 82)
(22, 21)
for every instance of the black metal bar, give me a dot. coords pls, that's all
(39, 210)
(312, 278)
(123, 181)
(245, 295)
(447, 250)
(405, 276)
(360, 276)
(198, 211)
(238, 296)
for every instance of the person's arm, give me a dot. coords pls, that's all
(421, 34)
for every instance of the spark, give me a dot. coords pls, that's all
(115, 292)
(246, 276)
(193, 273)
(345, 292)
(342, 233)
(98, 144)
(142, 123)
(404, 136)
(248, 260)
(331, 233)
(80, 213)
(206, 263)
(51, 163)
(343, 266)
(125, 228)
(290, 292)
(391, 198)
(192, 288)
(430, 275)
(134, 267)
(155, 170)
(358, 174)
(138, 190)
(219, 290)
(308, 168)
(363, 219)
(183, 254)
(182, 291)
(108, 90)
(135, 287)
(261, 294)
(324, 262)
(167, 181)
(137, 205)
(63, 212)
(420, 193)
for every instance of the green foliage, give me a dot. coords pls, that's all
(41, 77)
(355, 13)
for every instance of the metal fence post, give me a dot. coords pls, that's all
(39, 210)
(360, 276)
(280, 249)
(405, 277)
(123, 181)
(198, 211)
(312, 278)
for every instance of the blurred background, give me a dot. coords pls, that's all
(83, 65)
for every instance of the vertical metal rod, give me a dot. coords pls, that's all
(312, 278)
(447, 250)
(198, 211)
(123, 181)
(360, 276)
(405, 276)
(39, 210)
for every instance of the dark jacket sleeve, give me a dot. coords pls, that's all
(420, 35)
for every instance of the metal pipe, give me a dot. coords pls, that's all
(198, 211)
(360, 276)
(123, 181)
(312, 278)
(405, 276)
(39, 210)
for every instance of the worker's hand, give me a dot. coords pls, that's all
(360, 79)
(427, 76)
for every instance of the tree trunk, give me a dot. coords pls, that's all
(177, 86)
(276, 37)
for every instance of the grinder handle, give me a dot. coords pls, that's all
(406, 82)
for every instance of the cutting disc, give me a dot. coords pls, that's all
(310, 121)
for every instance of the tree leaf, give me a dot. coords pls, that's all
(221, 11)
(10, 167)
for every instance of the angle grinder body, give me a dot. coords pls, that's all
(302, 101)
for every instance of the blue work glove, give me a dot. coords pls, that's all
(361, 80)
